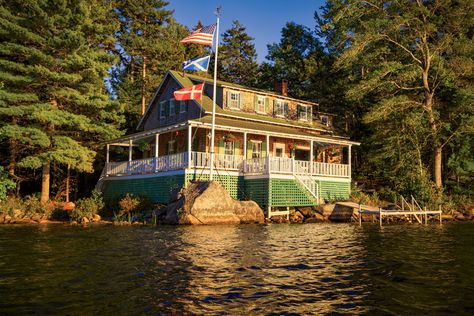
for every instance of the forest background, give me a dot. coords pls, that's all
(398, 75)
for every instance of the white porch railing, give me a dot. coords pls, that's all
(221, 161)
(264, 165)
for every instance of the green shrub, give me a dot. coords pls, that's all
(88, 207)
(5, 184)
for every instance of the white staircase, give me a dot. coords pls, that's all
(309, 184)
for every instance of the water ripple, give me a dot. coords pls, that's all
(274, 269)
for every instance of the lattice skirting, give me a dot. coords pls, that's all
(233, 184)
(157, 189)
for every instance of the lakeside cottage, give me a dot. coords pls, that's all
(269, 147)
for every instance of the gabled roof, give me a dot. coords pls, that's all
(187, 80)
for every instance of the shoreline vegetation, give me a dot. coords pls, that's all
(194, 205)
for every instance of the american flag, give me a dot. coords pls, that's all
(202, 36)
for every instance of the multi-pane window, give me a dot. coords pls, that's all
(303, 112)
(279, 108)
(171, 147)
(162, 109)
(279, 150)
(229, 148)
(172, 109)
(260, 104)
(234, 100)
(256, 149)
(182, 106)
(325, 120)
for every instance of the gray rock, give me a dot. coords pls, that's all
(85, 221)
(296, 217)
(306, 211)
(96, 218)
(209, 203)
(2, 218)
(325, 209)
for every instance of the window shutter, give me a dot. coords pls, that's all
(310, 114)
(238, 104)
(167, 109)
(264, 149)
(249, 149)
(237, 148)
(274, 107)
(267, 104)
(286, 108)
(255, 103)
(221, 147)
(298, 110)
(228, 99)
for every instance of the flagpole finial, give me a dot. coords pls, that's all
(218, 11)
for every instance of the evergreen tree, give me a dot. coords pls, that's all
(237, 56)
(411, 65)
(294, 59)
(53, 104)
(149, 46)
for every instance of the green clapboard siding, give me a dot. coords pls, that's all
(332, 190)
(156, 188)
(233, 184)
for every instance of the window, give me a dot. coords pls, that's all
(172, 109)
(256, 149)
(171, 147)
(303, 113)
(233, 101)
(279, 108)
(182, 106)
(260, 104)
(162, 109)
(229, 148)
(325, 120)
(279, 150)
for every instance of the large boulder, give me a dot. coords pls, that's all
(204, 202)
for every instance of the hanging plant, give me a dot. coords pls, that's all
(144, 146)
(230, 138)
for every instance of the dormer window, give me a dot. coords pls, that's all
(233, 100)
(325, 120)
(304, 112)
(260, 106)
(279, 108)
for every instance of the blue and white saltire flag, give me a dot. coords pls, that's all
(197, 64)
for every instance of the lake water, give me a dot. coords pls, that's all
(247, 269)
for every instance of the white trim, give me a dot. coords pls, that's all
(229, 99)
(199, 171)
(291, 177)
(261, 98)
(279, 145)
(283, 135)
(151, 175)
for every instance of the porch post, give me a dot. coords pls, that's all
(268, 145)
(107, 156)
(190, 136)
(350, 162)
(245, 146)
(157, 143)
(130, 144)
(311, 148)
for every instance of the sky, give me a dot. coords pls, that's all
(263, 19)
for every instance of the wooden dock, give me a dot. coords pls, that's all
(408, 210)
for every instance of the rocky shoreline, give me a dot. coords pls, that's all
(208, 203)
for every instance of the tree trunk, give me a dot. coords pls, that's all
(45, 183)
(68, 177)
(143, 84)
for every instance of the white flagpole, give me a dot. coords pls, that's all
(214, 92)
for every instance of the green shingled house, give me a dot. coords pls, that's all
(271, 148)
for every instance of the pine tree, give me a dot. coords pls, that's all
(149, 46)
(294, 59)
(237, 58)
(405, 60)
(53, 105)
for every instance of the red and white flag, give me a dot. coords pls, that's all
(202, 36)
(189, 93)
